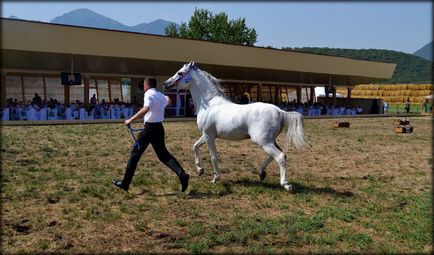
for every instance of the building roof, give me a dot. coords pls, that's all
(29, 45)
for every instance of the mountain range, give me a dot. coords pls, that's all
(425, 52)
(89, 18)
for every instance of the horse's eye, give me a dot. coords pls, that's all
(181, 73)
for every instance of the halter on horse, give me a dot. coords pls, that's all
(218, 117)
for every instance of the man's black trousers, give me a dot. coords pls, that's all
(153, 134)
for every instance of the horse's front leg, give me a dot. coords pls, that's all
(197, 161)
(213, 152)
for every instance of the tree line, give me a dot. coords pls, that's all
(204, 25)
(409, 68)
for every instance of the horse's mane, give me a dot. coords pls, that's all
(215, 82)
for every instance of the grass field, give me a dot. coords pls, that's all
(364, 189)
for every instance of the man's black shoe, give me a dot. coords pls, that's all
(184, 181)
(119, 184)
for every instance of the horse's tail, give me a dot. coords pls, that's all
(295, 133)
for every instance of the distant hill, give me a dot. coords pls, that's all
(89, 18)
(425, 52)
(409, 68)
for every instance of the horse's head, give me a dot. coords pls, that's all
(182, 78)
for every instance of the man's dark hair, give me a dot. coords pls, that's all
(152, 82)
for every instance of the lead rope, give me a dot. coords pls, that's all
(136, 145)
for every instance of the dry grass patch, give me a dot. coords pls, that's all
(362, 189)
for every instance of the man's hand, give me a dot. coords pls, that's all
(128, 122)
(169, 102)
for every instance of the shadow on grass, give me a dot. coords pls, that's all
(219, 190)
(145, 191)
(298, 188)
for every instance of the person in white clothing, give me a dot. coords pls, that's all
(154, 104)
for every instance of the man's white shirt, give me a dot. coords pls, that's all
(156, 102)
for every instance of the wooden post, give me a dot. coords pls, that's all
(134, 82)
(86, 91)
(312, 94)
(298, 95)
(45, 88)
(349, 92)
(109, 90)
(334, 95)
(66, 95)
(120, 89)
(3, 90)
(259, 92)
(22, 89)
(276, 94)
(97, 92)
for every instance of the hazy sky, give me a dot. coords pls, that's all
(400, 26)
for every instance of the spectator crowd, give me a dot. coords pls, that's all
(51, 109)
(39, 109)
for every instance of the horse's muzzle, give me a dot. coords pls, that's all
(167, 85)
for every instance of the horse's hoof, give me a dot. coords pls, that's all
(215, 180)
(288, 188)
(262, 175)
(200, 172)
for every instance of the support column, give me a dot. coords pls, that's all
(45, 88)
(312, 94)
(3, 90)
(259, 92)
(276, 94)
(298, 95)
(66, 94)
(109, 90)
(120, 89)
(349, 92)
(334, 95)
(86, 91)
(22, 88)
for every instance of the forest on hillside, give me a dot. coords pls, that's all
(409, 68)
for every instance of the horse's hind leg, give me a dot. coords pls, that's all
(280, 158)
(197, 161)
(263, 167)
(262, 173)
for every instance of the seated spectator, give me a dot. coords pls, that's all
(4, 113)
(36, 99)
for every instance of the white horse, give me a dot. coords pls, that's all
(218, 117)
